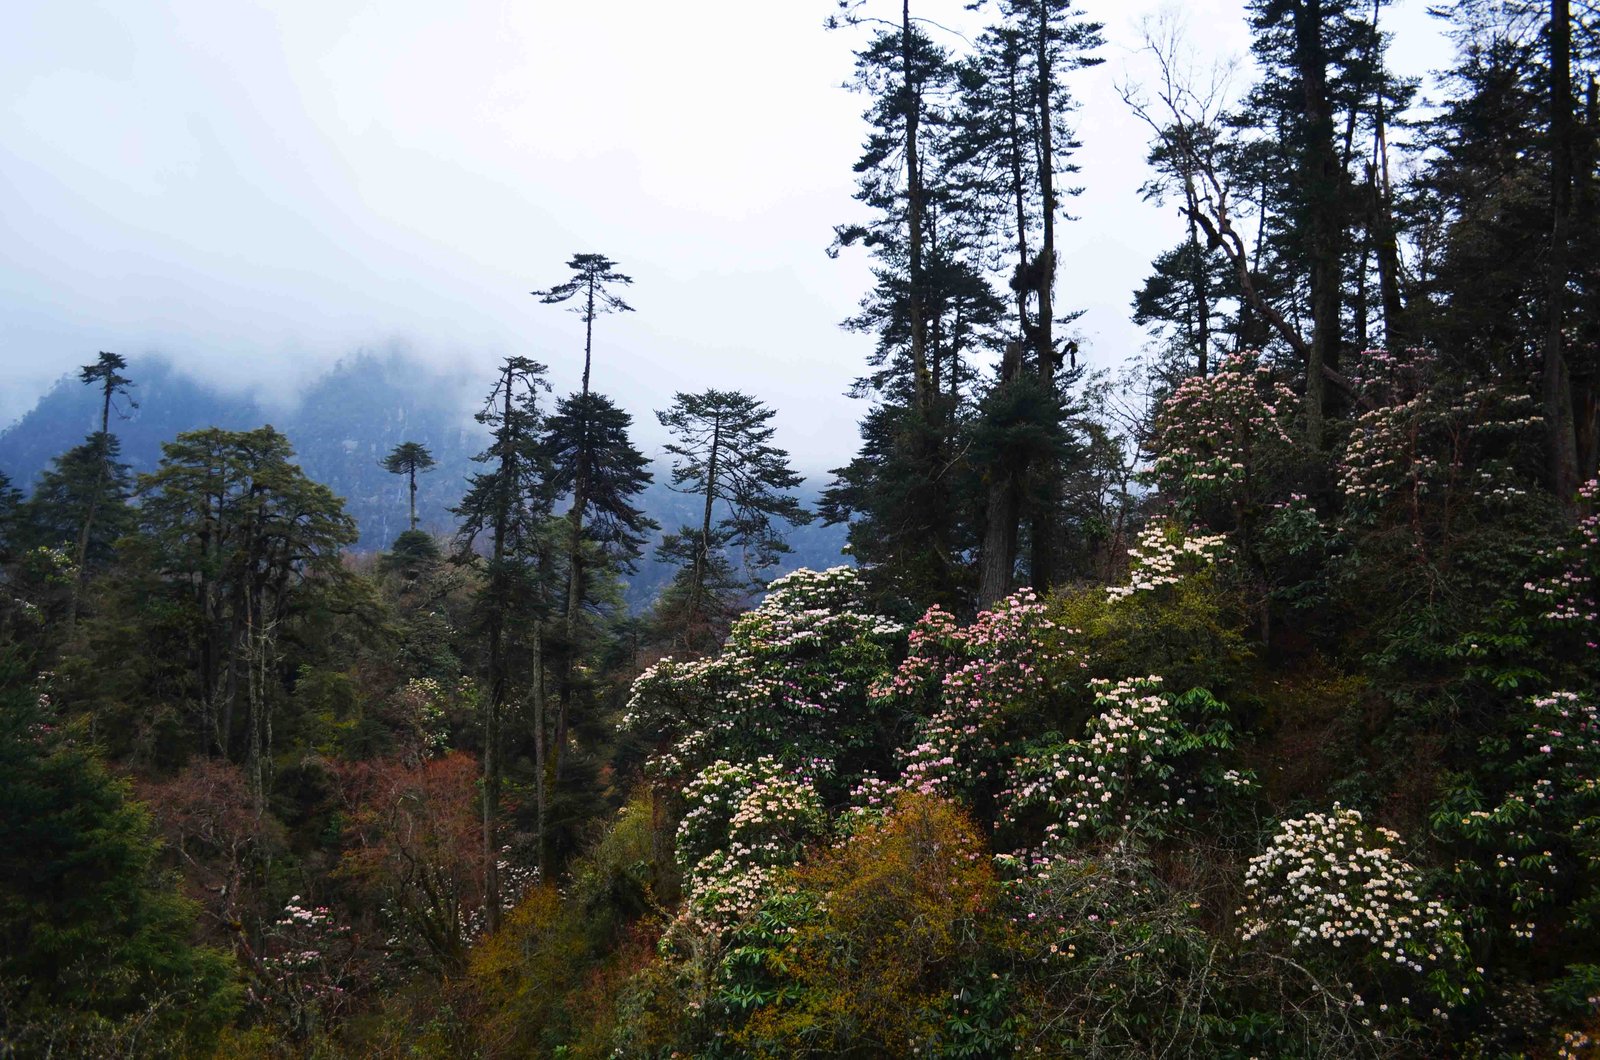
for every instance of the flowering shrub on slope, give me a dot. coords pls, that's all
(1444, 444)
(742, 823)
(1530, 853)
(966, 685)
(1569, 598)
(1164, 556)
(1142, 763)
(1220, 438)
(1337, 893)
(791, 682)
(308, 968)
(1102, 933)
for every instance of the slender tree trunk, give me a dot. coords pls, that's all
(498, 676)
(1359, 306)
(1045, 521)
(917, 311)
(575, 566)
(541, 785)
(702, 554)
(1321, 183)
(1586, 222)
(1002, 513)
(999, 553)
(81, 553)
(1199, 281)
(575, 586)
(1560, 428)
(1385, 241)
(1018, 199)
(412, 475)
(588, 335)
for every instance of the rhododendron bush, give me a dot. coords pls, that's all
(1337, 893)
(791, 682)
(1526, 828)
(1222, 439)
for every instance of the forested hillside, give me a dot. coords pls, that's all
(342, 426)
(1242, 702)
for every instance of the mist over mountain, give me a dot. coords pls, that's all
(341, 427)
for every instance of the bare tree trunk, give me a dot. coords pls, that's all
(1045, 522)
(1560, 428)
(1385, 243)
(541, 786)
(1200, 282)
(1321, 180)
(999, 553)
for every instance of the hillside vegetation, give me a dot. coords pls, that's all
(1243, 704)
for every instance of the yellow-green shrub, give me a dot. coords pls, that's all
(903, 908)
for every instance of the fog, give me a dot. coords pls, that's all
(254, 190)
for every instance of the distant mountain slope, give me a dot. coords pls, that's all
(343, 425)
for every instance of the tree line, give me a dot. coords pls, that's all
(1325, 214)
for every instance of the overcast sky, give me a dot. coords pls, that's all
(255, 190)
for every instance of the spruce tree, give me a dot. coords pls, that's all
(723, 456)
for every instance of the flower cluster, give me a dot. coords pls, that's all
(306, 963)
(965, 682)
(1436, 442)
(1571, 595)
(791, 682)
(1390, 376)
(1331, 886)
(421, 704)
(1533, 851)
(1164, 556)
(1128, 769)
(742, 823)
(1214, 433)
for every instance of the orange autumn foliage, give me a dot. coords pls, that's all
(903, 907)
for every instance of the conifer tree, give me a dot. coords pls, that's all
(95, 943)
(586, 439)
(724, 457)
(509, 504)
(898, 494)
(594, 463)
(410, 459)
(10, 515)
(1018, 101)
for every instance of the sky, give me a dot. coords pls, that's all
(254, 190)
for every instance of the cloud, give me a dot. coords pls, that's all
(257, 189)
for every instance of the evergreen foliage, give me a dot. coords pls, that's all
(723, 456)
(97, 958)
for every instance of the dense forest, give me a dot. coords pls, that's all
(1242, 702)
